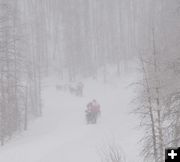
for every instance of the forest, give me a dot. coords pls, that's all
(80, 39)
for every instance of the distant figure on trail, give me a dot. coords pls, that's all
(76, 89)
(92, 112)
(72, 89)
(80, 87)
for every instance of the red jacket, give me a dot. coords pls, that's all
(95, 108)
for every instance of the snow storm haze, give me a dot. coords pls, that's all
(89, 80)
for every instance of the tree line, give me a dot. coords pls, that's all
(20, 69)
(158, 49)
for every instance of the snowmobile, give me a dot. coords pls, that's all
(91, 117)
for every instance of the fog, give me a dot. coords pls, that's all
(89, 80)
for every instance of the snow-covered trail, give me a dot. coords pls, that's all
(62, 135)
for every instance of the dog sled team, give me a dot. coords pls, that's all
(73, 88)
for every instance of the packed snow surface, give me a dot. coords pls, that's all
(62, 135)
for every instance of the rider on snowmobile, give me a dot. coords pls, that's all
(92, 111)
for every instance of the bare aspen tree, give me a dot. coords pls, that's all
(150, 112)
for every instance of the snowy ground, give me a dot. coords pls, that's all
(62, 135)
